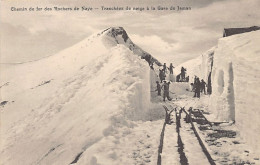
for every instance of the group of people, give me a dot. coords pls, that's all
(166, 85)
(198, 86)
(166, 90)
(163, 71)
(182, 76)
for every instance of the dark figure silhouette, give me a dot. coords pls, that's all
(161, 75)
(158, 88)
(193, 84)
(187, 78)
(166, 87)
(202, 86)
(165, 68)
(197, 88)
(171, 68)
(183, 70)
(178, 78)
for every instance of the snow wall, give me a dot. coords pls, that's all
(69, 102)
(234, 68)
(235, 84)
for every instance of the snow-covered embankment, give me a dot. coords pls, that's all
(68, 108)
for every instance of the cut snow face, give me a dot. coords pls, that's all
(235, 84)
(59, 107)
(232, 67)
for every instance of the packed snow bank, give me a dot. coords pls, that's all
(60, 106)
(235, 83)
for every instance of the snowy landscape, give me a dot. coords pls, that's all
(96, 103)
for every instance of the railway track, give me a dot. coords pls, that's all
(185, 144)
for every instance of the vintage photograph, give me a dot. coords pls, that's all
(130, 82)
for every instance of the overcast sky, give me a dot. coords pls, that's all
(171, 35)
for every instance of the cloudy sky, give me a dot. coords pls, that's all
(168, 35)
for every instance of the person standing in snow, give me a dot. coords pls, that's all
(187, 78)
(166, 91)
(203, 86)
(158, 88)
(193, 84)
(178, 78)
(197, 88)
(183, 70)
(171, 76)
(195, 78)
(161, 75)
(171, 68)
(164, 68)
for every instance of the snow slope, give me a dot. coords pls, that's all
(200, 66)
(193, 68)
(60, 106)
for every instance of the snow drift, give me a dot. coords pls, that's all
(58, 107)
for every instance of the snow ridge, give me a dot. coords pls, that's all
(120, 36)
(73, 102)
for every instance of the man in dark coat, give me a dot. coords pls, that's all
(178, 78)
(166, 90)
(203, 86)
(183, 70)
(171, 68)
(161, 75)
(187, 78)
(193, 85)
(164, 68)
(197, 88)
(158, 88)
